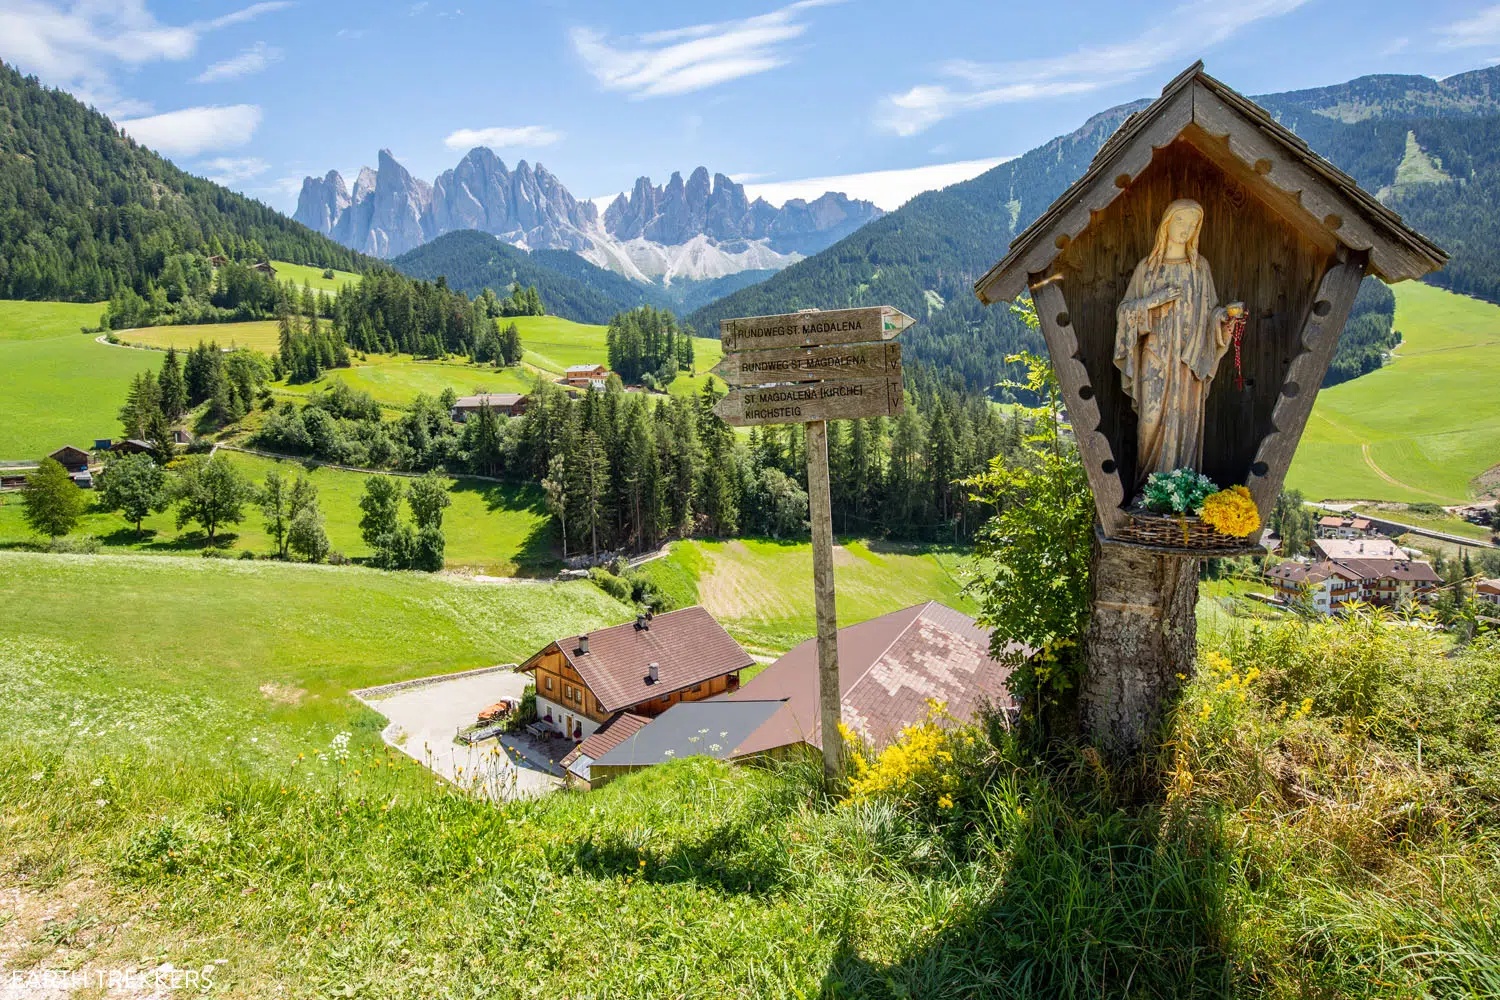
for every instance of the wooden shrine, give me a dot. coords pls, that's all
(1285, 233)
(1191, 287)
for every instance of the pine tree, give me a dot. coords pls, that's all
(593, 467)
(171, 387)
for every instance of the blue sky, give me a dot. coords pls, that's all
(884, 98)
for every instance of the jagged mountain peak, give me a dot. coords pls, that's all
(701, 225)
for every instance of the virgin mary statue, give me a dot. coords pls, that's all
(1170, 335)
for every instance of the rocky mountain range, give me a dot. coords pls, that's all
(694, 229)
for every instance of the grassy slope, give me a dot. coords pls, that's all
(552, 344)
(161, 787)
(1430, 419)
(260, 334)
(762, 590)
(493, 528)
(58, 386)
(395, 380)
(313, 276)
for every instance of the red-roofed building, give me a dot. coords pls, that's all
(1487, 592)
(1331, 584)
(642, 667)
(1334, 526)
(890, 668)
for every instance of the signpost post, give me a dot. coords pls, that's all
(808, 368)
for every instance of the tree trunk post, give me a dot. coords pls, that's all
(820, 513)
(1141, 643)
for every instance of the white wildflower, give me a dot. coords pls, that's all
(97, 782)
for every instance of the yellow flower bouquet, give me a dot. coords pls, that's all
(1231, 511)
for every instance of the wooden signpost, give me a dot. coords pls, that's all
(808, 368)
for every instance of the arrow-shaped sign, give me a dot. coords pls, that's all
(810, 364)
(846, 399)
(813, 328)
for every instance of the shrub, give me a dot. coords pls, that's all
(84, 545)
(612, 585)
(933, 769)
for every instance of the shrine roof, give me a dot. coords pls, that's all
(1329, 198)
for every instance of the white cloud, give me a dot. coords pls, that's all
(190, 131)
(888, 189)
(499, 137)
(683, 60)
(79, 46)
(228, 170)
(245, 14)
(1481, 29)
(252, 60)
(1187, 31)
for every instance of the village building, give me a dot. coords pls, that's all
(1333, 526)
(76, 461)
(504, 404)
(218, 260)
(1327, 585)
(892, 670)
(1331, 584)
(264, 267)
(642, 667)
(1357, 548)
(131, 446)
(1487, 592)
(71, 458)
(585, 376)
(716, 728)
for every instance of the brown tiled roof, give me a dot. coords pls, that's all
(688, 646)
(488, 399)
(616, 730)
(1330, 522)
(1358, 548)
(1398, 251)
(1301, 572)
(888, 669)
(1395, 569)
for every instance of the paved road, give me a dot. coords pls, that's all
(424, 719)
(1397, 527)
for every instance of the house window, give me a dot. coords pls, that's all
(665, 698)
(549, 683)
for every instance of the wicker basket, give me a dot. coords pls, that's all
(1174, 531)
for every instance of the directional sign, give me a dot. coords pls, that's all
(806, 329)
(845, 399)
(810, 364)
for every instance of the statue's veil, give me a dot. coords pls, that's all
(1159, 251)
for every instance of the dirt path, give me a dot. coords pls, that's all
(1364, 449)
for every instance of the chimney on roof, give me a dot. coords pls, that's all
(583, 643)
(642, 623)
(652, 675)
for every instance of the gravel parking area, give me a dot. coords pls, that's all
(424, 717)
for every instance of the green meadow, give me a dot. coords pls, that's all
(497, 529)
(552, 344)
(761, 589)
(175, 789)
(395, 380)
(259, 334)
(312, 276)
(1423, 427)
(57, 385)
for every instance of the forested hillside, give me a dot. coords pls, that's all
(923, 258)
(572, 287)
(86, 212)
